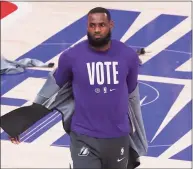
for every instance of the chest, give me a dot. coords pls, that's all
(100, 70)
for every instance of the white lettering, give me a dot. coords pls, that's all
(91, 73)
(115, 73)
(98, 70)
(107, 64)
(100, 73)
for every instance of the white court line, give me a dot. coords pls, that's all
(142, 20)
(168, 38)
(181, 101)
(141, 77)
(157, 92)
(159, 146)
(56, 44)
(186, 66)
(168, 80)
(57, 145)
(40, 125)
(176, 51)
(181, 144)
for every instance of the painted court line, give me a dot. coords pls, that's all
(176, 51)
(41, 128)
(46, 120)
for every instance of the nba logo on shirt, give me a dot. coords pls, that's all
(105, 89)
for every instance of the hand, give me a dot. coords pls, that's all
(15, 140)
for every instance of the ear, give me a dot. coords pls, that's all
(111, 24)
(87, 26)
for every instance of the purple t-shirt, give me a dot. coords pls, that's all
(101, 83)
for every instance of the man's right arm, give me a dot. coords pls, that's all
(63, 72)
(62, 75)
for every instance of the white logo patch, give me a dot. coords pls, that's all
(84, 151)
(119, 160)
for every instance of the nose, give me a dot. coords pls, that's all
(97, 29)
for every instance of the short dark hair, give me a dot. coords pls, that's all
(100, 10)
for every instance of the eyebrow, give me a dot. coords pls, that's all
(97, 23)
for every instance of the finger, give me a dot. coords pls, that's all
(15, 140)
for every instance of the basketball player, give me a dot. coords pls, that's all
(103, 72)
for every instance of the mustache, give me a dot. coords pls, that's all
(98, 42)
(97, 34)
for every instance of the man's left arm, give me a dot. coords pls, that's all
(132, 78)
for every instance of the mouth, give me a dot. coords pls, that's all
(97, 36)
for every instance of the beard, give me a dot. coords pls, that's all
(99, 42)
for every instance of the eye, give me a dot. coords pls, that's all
(102, 24)
(92, 25)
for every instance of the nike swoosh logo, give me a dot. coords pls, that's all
(118, 160)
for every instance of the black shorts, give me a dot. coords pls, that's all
(88, 152)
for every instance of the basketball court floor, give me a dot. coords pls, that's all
(42, 30)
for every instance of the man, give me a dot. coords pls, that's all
(103, 73)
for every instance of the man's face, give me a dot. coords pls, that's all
(99, 29)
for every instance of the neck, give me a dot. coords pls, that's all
(103, 48)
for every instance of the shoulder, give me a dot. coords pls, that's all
(73, 51)
(122, 46)
(125, 50)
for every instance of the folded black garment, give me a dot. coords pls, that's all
(133, 159)
(19, 120)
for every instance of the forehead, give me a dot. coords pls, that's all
(98, 17)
